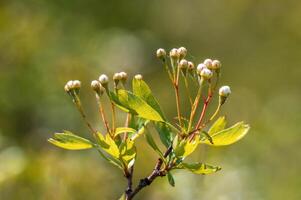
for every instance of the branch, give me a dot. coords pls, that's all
(148, 180)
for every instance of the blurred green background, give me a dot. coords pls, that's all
(44, 43)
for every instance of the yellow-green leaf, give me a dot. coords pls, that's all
(128, 152)
(138, 105)
(186, 147)
(218, 125)
(120, 130)
(199, 168)
(230, 135)
(142, 90)
(171, 180)
(108, 145)
(70, 141)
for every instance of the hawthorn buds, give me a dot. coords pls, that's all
(138, 77)
(103, 79)
(208, 63)
(72, 86)
(206, 73)
(190, 65)
(174, 54)
(216, 64)
(161, 53)
(97, 87)
(224, 92)
(182, 51)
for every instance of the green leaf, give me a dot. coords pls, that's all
(120, 130)
(142, 90)
(70, 141)
(119, 104)
(123, 197)
(165, 133)
(186, 147)
(108, 145)
(128, 152)
(199, 168)
(218, 125)
(171, 180)
(152, 143)
(137, 105)
(230, 135)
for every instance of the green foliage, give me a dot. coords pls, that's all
(185, 147)
(171, 179)
(199, 168)
(152, 143)
(226, 136)
(70, 141)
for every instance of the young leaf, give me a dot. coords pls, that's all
(128, 152)
(171, 180)
(165, 133)
(152, 143)
(142, 90)
(70, 141)
(138, 105)
(230, 135)
(218, 125)
(108, 145)
(199, 168)
(120, 130)
(186, 147)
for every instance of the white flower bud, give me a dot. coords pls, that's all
(216, 64)
(161, 53)
(206, 73)
(123, 75)
(183, 64)
(117, 77)
(95, 85)
(69, 84)
(174, 54)
(208, 63)
(138, 77)
(190, 65)
(224, 91)
(103, 79)
(76, 84)
(66, 88)
(200, 67)
(182, 51)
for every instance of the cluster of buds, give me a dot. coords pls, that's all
(120, 76)
(72, 86)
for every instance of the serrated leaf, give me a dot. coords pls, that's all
(108, 145)
(186, 147)
(171, 180)
(70, 141)
(218, 125)
(137, 105)
(164, 132)
(230, 135)
(152, 143)
(142, 90)
(199, 168)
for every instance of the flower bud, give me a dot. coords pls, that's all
(76, 84)
(183, 64)
(138, 77)
(123, 76)
(97, 87)
(182, 51)
(117, 77)
(190, 65)
(174, 54)
(224, 91)
(216, 64)
(68, 86)
(200, 67)
(161, 53)
(103, 79)
(206, 73)
(208, 63)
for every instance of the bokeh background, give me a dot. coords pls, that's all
(44, 43)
